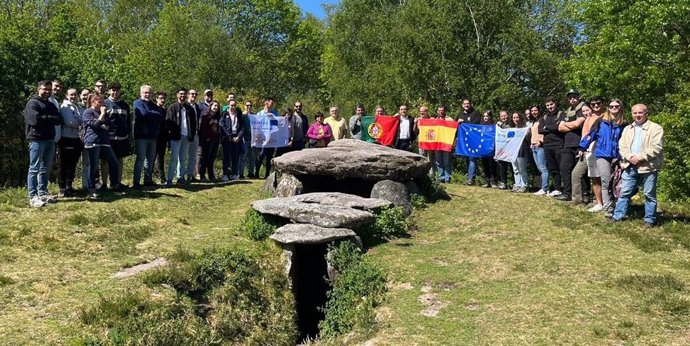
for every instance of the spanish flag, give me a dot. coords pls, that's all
(436, 134)
(381, 130)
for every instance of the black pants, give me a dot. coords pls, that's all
(553, 163)
(503, 169)
(70, 150)
(568, 162)
(161, 147)
(209, 150)
(267, 155)
(489, 170)
(403, 144)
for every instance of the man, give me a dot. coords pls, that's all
(118, 112)
(56, 91)
(230, 98)
(193, 154)
(266, 153)
(70, 145)
(443, 157)
(208, 98)
(248, 153)
(231, 134)
(552, 143)
(405, 134)
(429, 154)
(83, 97)
(571, 127)
(180, 124)
(162, 139)
(337, 124)
(147, 120)
(469, 115)
(356, 122)
(99, 87)
(300, 123)
(40, 117)
(642, 153)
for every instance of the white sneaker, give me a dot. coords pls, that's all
(596, 208)
(48, 198)
(36, 202)
(540, 193)
(224, 179)
(554, 193)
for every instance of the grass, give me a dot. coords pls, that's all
(559, 276)
(490, 274)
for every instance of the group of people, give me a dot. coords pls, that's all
(588, 150)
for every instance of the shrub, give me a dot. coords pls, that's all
(220, 296)
(418, 201)
(258, 226)
(357, 291)
(389, 223)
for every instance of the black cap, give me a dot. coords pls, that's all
(572, 92)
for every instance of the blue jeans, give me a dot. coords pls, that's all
(247, 157)
(520, 172)
(629, 180)
(191, 155)
(540, 161)
(471, 168)
(178, 158)
(443, 165)
(41, 155)
(107, 154)
(145, 150)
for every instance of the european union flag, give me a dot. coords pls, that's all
(475, 140)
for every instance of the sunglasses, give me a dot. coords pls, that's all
(614, 106)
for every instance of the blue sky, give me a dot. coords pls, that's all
(314, 6)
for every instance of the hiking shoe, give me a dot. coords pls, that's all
(596, 208)
(521, 190)
(48, 198)
(540, 193)
(181, 181)
(119, 189)
(36, 202)
(562, 197)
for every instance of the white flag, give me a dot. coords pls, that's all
(508, 143)
(269, 131)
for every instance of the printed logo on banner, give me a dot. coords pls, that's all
(474, 149)
(375, 130)
(431, 135)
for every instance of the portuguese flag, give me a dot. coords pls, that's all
(436, 134)
(380, 129)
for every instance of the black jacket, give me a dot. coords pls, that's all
(413, 135)
(172, 121)
(471, 117)
(40, 117)
(548, 126)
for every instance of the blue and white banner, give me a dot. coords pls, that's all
(508, 143)
(269, 131)
(475, 140)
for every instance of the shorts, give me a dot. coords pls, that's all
(121, 148)
(592, 170)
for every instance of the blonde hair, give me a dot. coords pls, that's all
(609, 117)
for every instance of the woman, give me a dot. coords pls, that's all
(319, 133)
(97, 144)
(70, 144)
(586, 162)
(231, 132)
(209, 137)
(488, 163)
(503, 166)
(605, 133)
(520, 163)
(536, 143)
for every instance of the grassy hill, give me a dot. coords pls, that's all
(485, 267)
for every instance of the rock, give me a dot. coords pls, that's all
(351, 158)
(394, 192)
(343, 199)
(332, 216)
(288, 185)
(413, 188)
(131, 271)
(270, 184)
(295, 233)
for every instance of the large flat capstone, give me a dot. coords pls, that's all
(342, 199)
(352, 158)
(300, 233)
(331, 216)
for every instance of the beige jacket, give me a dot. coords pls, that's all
(652, 155)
